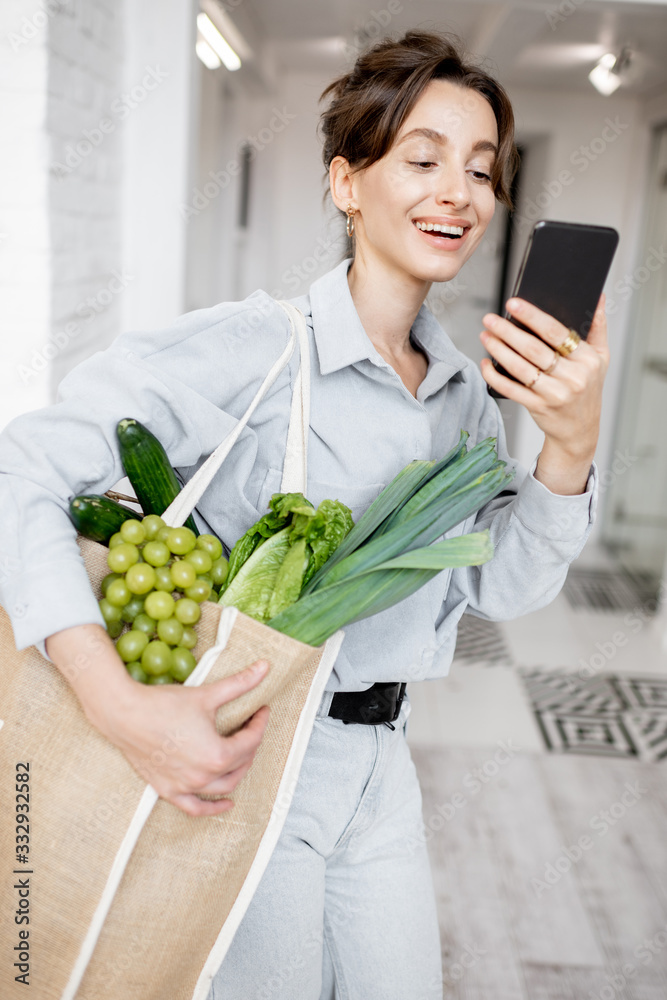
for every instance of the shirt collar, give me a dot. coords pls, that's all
(341, 339)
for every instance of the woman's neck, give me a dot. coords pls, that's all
(387, 302)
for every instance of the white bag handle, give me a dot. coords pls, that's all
(295, 465)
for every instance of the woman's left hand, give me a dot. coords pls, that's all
(562, 394)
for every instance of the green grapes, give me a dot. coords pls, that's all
(152, 595)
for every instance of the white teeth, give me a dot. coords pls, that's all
(434, 227)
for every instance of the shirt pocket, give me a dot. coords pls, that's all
(357, 498)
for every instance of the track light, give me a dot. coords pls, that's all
(217, 44)
(206, 54)
(606, 74)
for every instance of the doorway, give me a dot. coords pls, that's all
(635, 514)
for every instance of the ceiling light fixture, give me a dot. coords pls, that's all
(217, 43)
(606, 74)
(206, 54)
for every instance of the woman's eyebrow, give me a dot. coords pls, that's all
(483, 145)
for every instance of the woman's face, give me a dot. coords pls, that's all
(437, 173)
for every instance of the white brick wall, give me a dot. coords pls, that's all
(95, 160)
(61, 69)
(24, 232)
(86, 76)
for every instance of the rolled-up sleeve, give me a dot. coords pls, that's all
(536, 535)
(188, 385)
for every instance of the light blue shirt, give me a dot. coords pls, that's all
(191, 382)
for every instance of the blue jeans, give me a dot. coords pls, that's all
(346, 908)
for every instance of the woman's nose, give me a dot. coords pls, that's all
(453, 188)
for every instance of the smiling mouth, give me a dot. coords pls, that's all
(444, 232)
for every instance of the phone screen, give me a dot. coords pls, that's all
(563, 273)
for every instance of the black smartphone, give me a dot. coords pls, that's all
(564, 268)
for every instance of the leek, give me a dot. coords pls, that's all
(394, 549)
(313, 619)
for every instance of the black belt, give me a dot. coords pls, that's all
(378, 704)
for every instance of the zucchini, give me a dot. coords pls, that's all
(98, 517)
(147, 467)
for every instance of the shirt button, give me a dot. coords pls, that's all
(20, 610)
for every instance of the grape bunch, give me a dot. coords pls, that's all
(159, 577)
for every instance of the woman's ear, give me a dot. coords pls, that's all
(340, 182)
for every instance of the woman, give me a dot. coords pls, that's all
(414, 139)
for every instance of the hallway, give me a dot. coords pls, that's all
(542, 763)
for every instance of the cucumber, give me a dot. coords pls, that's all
(147, 467)
(98, 517)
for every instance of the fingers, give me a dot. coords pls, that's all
(246, 739)
(597, 335)
(545, 326)
(227, 782)
(511, 390)
(229, 688)
(230, 755)
(513, 361)
(527, 345)
(194, 806)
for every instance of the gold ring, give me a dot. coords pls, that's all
(548, 371)
(529, 385)
(570, 344)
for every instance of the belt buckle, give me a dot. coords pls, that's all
(389, 698)
(399, 701)
(378, 705)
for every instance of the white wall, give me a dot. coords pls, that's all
(159, 156)
(99, 103)
(85, 122)
(603, 186)
(60, 193)
(308, 237)
(25, 245)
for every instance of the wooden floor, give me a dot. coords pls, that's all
(592, 925)
(550, 865)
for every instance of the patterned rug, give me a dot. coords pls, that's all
(608, 714)
(481, 640)
(607, 590)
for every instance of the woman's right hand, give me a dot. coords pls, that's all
(166, 732)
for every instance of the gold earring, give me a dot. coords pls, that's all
(349, 225)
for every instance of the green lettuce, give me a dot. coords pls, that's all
(282, 506)
(270, 564)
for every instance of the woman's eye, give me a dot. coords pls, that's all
(425, 164)
(479, 175)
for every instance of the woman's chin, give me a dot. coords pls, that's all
(436, 270)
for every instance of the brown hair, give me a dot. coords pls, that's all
(370, 103)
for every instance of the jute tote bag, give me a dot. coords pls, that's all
(128, 897)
